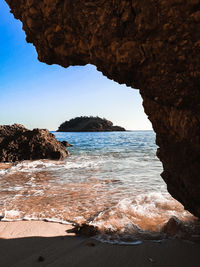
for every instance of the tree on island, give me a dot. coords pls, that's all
(88, 124)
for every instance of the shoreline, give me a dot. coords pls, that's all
(40, 243)
(32, 228)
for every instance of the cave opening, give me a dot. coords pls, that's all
(135, 148)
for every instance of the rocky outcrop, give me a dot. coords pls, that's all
(66, 144)
(84, 230)
(88, 124)
(17, 143)
(151, 45)
(10, 130)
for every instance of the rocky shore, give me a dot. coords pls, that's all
(150, 45)
(88, 124)
(18, 143)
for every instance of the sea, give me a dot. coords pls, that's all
(110, 180)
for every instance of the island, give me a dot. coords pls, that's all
(88, 124)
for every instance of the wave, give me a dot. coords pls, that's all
(128, 222)
(107, 182)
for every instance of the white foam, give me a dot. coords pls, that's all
(31, 166)
(52, 219)
(81, 162)
(4, 171)
(10, 215)
(38, 193)
(75, 163)
(117, 241)
(143, 212)
(149, 205)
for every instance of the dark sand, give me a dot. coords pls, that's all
(24, 244)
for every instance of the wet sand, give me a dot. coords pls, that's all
(33, 243)
(4, 166)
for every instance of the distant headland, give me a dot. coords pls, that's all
(88, 124)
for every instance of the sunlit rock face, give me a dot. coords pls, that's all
(18, 143)
(151, 45)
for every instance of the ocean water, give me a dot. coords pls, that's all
(110, 180)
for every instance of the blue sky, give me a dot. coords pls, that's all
(41, 96)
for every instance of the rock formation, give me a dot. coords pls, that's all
(10, 130)
(88, 124)
(17, 143)
(152, 45)
(84, 230)
(66, 144)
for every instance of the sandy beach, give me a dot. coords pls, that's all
(36, 243)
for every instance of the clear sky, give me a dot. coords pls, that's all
(42, 96)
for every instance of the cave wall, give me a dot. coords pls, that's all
(153, 45)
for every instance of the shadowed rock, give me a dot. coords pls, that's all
(151, 45)
(10, 130)
(84, 230)
(173, 226)
(66, 144)
(17, 143)
(179, 229)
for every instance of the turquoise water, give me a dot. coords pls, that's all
(126, 156)
(110, 180)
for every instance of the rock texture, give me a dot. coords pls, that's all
(88, 124)
(17, 143)
(66, 144)
(152, 45)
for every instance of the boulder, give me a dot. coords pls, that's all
(173, 226)
(84, 230)
(18, 143)
(66, 144)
